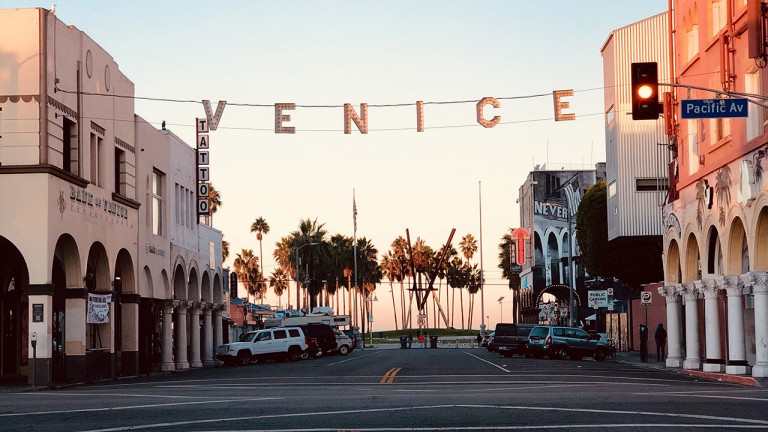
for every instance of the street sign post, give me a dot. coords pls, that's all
(646, 298)
(713, 108)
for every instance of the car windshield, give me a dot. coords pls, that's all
(539, 332)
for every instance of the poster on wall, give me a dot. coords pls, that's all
(98, 308)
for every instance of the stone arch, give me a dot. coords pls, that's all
(737, 250)
(692, 264)
(761, 240)
(147, 288)
(673, 269)
(218, 291)
(538, 249)
(552, 257)
(124, 271)
(166, 293)
(179, 283)
(14, 277)
(205, 288)
(715, 265)
(97, 274)
(193, 289)
(67, 252)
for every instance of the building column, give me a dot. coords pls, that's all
(194, 334)
(674, 352)
(129, 345)
(40, 320)
(737, 352)
(218, 334)
(74, 333)
(208, 335)
(760, 291)
(181, 336)
(714, 361)
(167, 351)
(690, 293)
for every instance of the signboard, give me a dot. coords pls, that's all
(421, 319)
(713, 108)
(610, 292)
(37, 312)
(646, 298)
(98, 308)
(598, 298)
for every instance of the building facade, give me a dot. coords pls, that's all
(548, 203)
(716, 221)
(77, 235)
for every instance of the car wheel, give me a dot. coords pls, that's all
(561, 354)
(294, 354)
(343, 350)
(599, 355)
(304, 355)
(243, 358)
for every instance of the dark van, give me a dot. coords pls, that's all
(324, 334)
(511, 339)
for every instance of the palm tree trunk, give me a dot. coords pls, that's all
(453, 309)
(402, 304)
(461, 297)
(394, 309)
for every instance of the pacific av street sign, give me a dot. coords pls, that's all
(713, 108)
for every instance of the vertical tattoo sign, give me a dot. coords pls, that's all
(203, 168)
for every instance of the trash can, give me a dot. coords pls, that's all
(433, 341)
(403, 342)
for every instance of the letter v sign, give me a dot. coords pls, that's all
(213, 121)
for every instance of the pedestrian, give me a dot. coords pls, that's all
(421, 340)
(661, 342)
(410, 339)
(643, 343)
(479, 339)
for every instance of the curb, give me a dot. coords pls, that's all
(734, 379)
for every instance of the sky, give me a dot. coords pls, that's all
(393, 52)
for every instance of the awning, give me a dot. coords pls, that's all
(592, 317)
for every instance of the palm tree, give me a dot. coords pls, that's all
(279, 282)
(473, 287)
(456, 279)
(399, 252)
(224, 250)
(390, 269)
(368, 270)
(214, 202)
(260, 227)
(284, 258)
(247, 269)
(506, 266)
(340, 258)
(468, 246)
(316, 256)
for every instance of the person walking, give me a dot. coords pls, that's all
(660, 336)
(643, 343)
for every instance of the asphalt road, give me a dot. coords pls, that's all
(417, 389)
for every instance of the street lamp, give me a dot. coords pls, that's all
(296, 253)
(501, 309)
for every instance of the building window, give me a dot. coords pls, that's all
(651, 184)
(610, 115)
(157, 202)
(612, 189)
(69, 146)
(120, 172)
(692, 41)
(97, 148)
(718, 16)
(693, 148)
(756, 115)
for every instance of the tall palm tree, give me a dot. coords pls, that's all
(214, 202)
(315, 257)
(368, 270)
(283, 256)
(473, 287)
(247, 269)
(468, 246)
(260, 227)
(339, 259)
(278, 280)
(390, 269)
(506, 266)
(399, 252)
(224, 250)
(456, 279)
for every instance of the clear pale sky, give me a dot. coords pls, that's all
(334, 52)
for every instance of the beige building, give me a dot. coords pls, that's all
(81, 204)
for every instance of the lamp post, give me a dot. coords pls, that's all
(298, 291)
(501, 309)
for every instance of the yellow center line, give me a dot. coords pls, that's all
(392, 375)
(389, 376)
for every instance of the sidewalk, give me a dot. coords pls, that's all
(632, 358)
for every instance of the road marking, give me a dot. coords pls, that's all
(745, 423)
(81, 394)
(490, 363)
(389, 376)
(721, 397)
(121, 408)
(354, 358)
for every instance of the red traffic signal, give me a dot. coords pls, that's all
(645, 91)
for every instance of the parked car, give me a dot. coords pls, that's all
(277, 343)
(566, 342)
(343, 342)
(511, 339)
(324, 334)
(351, 334)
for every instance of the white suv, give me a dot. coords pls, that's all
(277, 343)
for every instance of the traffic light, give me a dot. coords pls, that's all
(645, 91)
